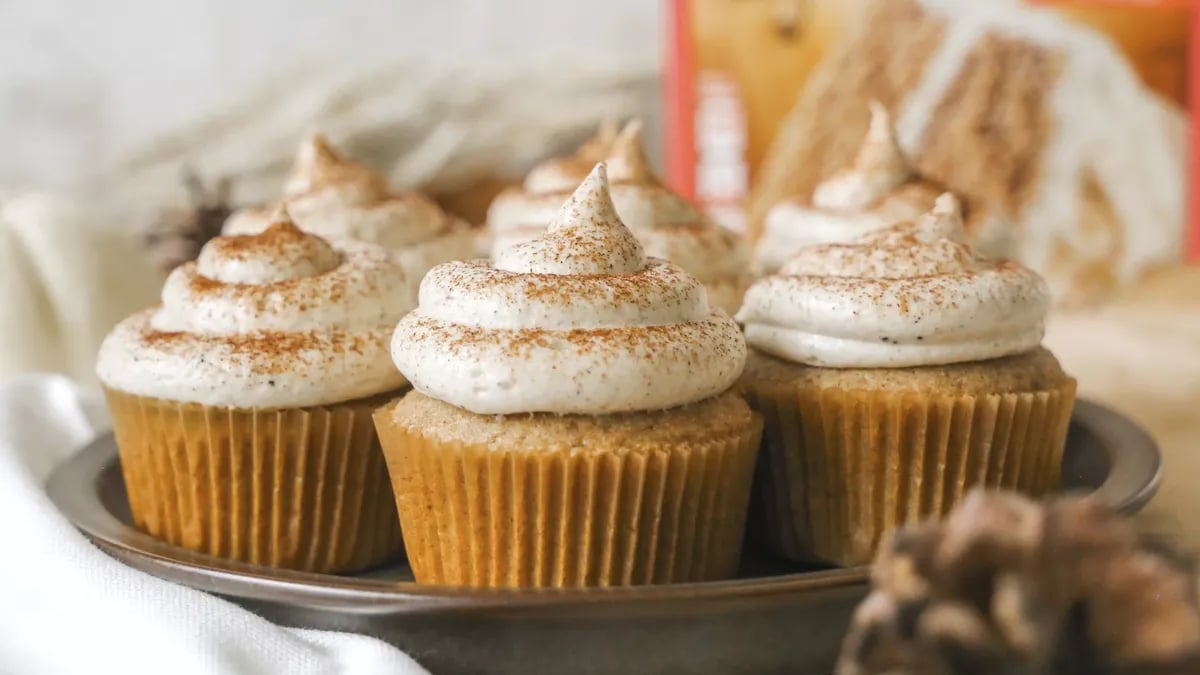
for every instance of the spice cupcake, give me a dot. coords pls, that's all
(879, 189)
(895, 373)
(242, 405)
(573, 422)
(337, 198)
(668, 225)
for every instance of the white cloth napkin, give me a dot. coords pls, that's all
(65, 607)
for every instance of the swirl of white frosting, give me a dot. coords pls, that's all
(912, 294)
(879, 189)
(336, 198)
(577, 321)
(277, 319)
(667, 224)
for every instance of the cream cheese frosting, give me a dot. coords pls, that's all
(913, 294)
(282, 318)
(577, 321)
(667, 224)
(336, 198)
(879, 189)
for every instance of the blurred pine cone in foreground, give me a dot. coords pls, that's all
(1005, 585)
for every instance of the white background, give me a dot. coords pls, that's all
(81, 82)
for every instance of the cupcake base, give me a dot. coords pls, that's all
(571, 501)
(302, 489)
(849, 455)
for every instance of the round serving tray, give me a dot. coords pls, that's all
(777, 617)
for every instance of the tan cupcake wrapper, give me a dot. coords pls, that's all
(476, 516)
(303, 489)
(840, 468)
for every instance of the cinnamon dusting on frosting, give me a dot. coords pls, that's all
(909, 295)
(587, 237)
(579, 320)
(667, 224)
(278, 319)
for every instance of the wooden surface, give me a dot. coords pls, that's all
(1141, 355)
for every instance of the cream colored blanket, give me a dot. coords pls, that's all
(67, 275)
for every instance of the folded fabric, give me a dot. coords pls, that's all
(67, 275)
(65, 607)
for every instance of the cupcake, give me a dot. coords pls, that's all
(895, 373)
(336, 198)
(879, 189)
(242, 405)
(668, 225)
(572, 421)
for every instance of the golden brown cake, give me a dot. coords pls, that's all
(242, 405)
(571, 500)
(572, 423)
(895, 373)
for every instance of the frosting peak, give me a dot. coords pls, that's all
(277, 319)
(280, 252)
(577, 321)
(666, 224)
(319, 166)
(586, 237)
(879, 168)
(340, 199)
(598, 144)
(912, 294)
(627, 159)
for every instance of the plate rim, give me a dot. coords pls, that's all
(71, 487)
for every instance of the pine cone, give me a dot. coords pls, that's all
(179, 234)
(1005, 585)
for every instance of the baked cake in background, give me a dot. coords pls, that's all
(1021, 112)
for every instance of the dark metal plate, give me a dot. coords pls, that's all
(777, 617)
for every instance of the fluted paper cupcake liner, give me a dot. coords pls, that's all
(303, 489)
(481, 516)
(841, 468)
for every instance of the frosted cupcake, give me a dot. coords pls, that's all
(879, 189)
(668, 225)
(242, 405)
(895, 373)
(337, 198)
(572, 422)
